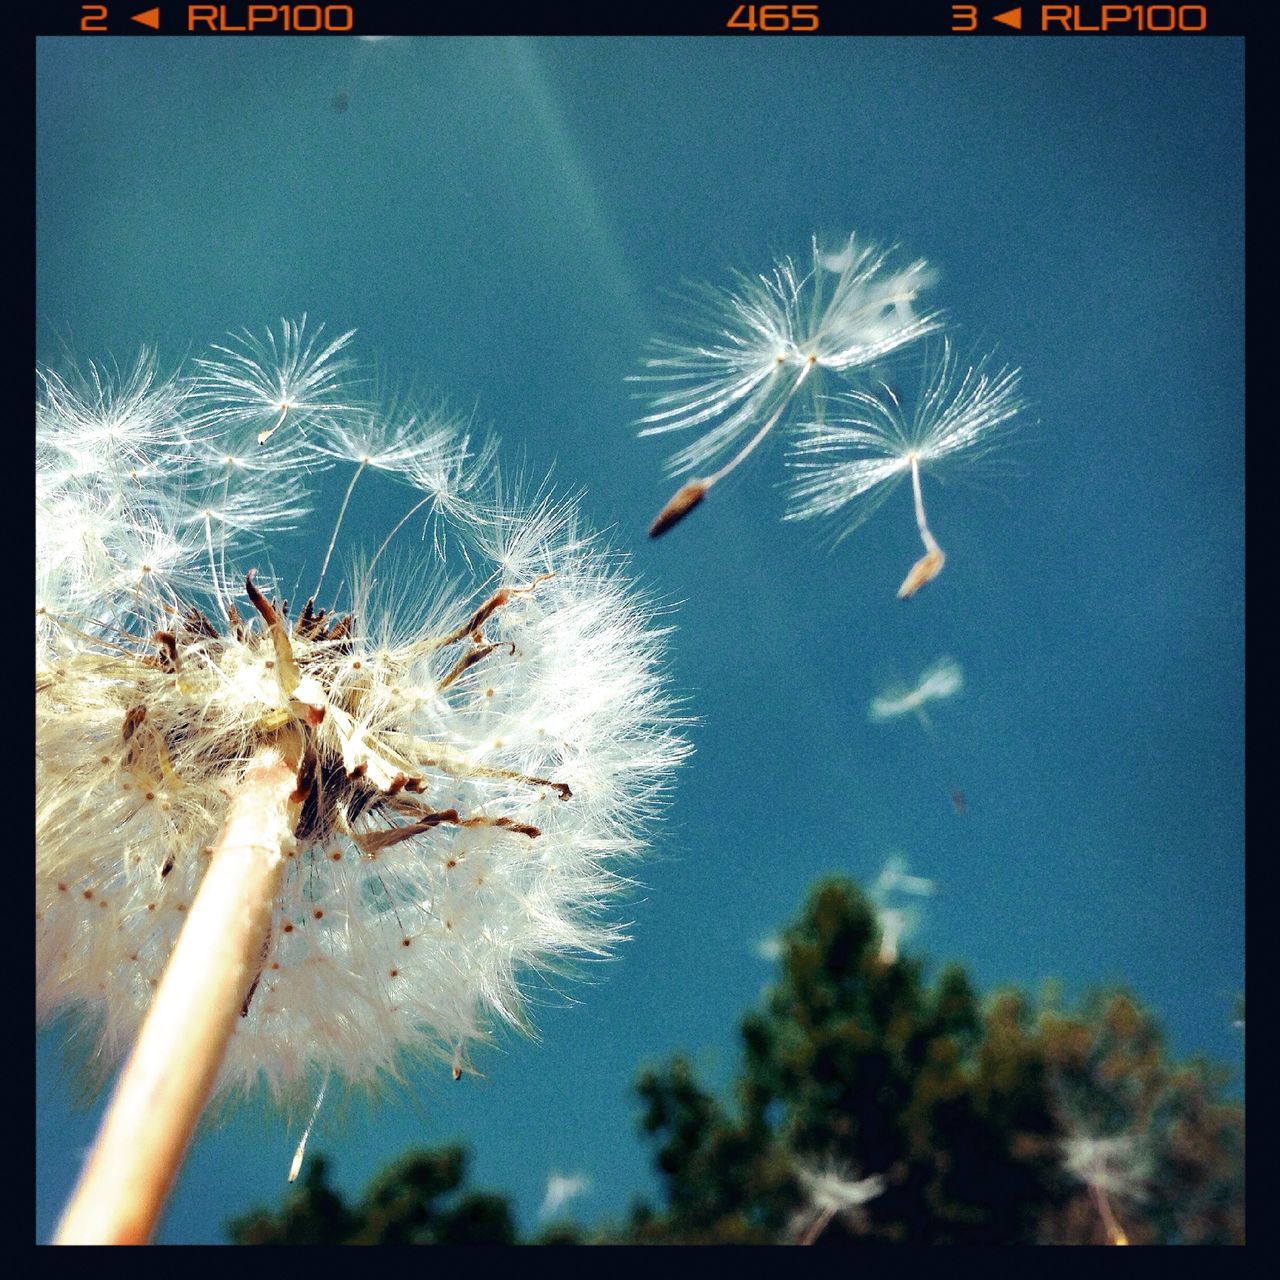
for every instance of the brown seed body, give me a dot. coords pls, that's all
(684, 501)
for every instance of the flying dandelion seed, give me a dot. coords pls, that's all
(560, 1190)
(852, 461)
(263, 381)
(446, 792)
(944, 679)
(773, 338)
(830, 1189)
(769, 948)
(1117, 1166)
(1106, 1143)
(894, 877)
(897, 922)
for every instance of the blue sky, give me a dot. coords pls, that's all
(506, 222)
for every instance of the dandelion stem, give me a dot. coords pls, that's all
(387, 541)
(1115, 1232)
(925, 536)
(818, 1226)
(342, 511)
(769, 425)
(171, 1073)
(222, 548)
(930, 564)
(306, 1133)
(691, 494)
(213, 568)
(264, 436)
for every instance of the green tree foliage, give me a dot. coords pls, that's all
(417, 1200)
(1001, 1124)
(873, 1105)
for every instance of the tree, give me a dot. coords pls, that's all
(873, 1106)
(416, 1200)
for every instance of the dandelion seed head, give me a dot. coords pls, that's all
(482, 737)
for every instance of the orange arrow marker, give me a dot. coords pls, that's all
(151, 18)
(1010, 18)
